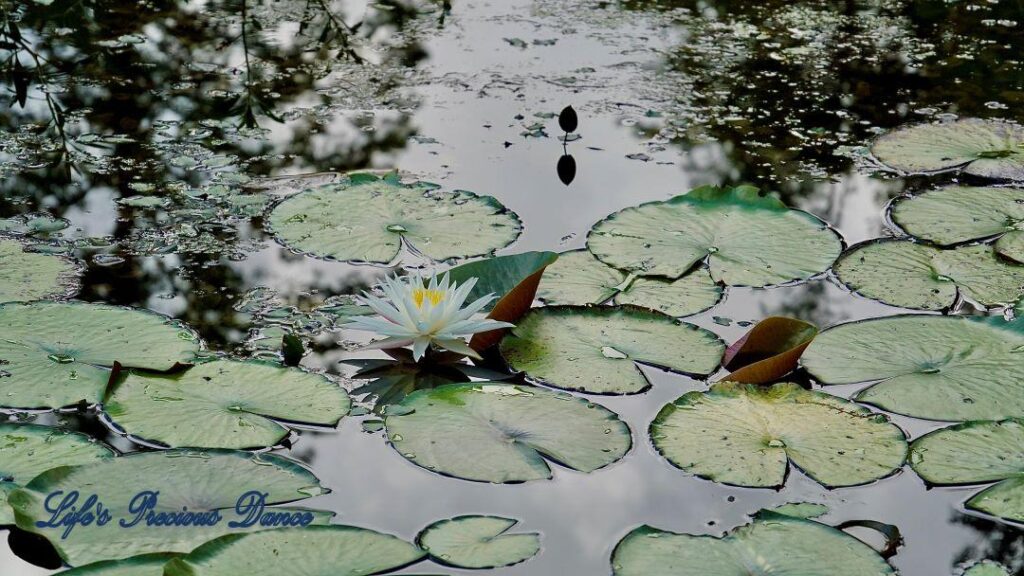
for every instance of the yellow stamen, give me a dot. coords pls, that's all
(434, 296)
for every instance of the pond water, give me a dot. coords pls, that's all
(219, 107)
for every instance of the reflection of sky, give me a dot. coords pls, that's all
(481, 84)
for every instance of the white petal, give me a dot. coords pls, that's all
(419, 347)
(457, 346)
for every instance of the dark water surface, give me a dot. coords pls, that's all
(199, 103)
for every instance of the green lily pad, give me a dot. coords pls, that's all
(477, 542)
(987, 568)
(202, 482)
(27, 276)
(145, 565)
(27, 450)
(771, 544)
(59, 354)
(312, 551)
(223, 404)
(579, 278)
(368, 219)
(911, 275)
(1011, 245)
(596, 349)
(935, 367)
(975, 453)
(806, 510)
(746, 435)
(747, 239)
(985, 148)
(491, 432)
(956, 214)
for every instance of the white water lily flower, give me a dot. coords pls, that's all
(422, 313)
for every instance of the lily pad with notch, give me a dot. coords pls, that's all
(200, 482)
(983, 148)
(367, 219)
(746, 238)
(223, 404)
(500, 433)
(27, 276)
(977, 452)
(746, 435)
(771, 544)
(597, 349)
(316, 551)
(57, 354)
(579, 278)
(950, 368)
(911, 275)
(478, 542)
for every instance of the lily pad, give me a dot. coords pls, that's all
(27, 450)
(368, 219)
(27, 276)
(771, 544)
(202, 482)
(987, 568)
(312, 551)
(911, 275)
(747, 435)
(957, 214)
(975, 453)
(491, 432)
(59, 354)
(579, 278)
(477, 542)
(985, 148)
(145, 565)
(935, 367)
(223, 404)
(596, 349)
(746, 238)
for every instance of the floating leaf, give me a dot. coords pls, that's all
(935, 367)
(580, 278)
(477, 542)
(223, 404)
(26, 276)
(314, 551)
(771, 544)
(596, 349)
(367, 219)
(747, 435)
(806, 510)
(987, 568)
(769, 351)
(747, 239)
(975, 453)
(145, 565)
(59, 354)
(498, 433)
(910, 275)
(202, 482)
(956, 214)
(986, 148)
(512, 279)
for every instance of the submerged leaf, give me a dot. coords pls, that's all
(26, 276)
(783, 544)
(367, 219)
(579, 278)
(747, 239)
(769, 351)
(596, 349)
(314, 551)
(59, 354)
(478, 542)
(910, 275)
(747, 435)
(936, 367)
(977, 452)
(986, 148)
(223, 404)
(500, 433)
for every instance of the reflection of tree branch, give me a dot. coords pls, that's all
(343, 30)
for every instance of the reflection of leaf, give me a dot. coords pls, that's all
(566, 169)
(513, 279)
(769, 351)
